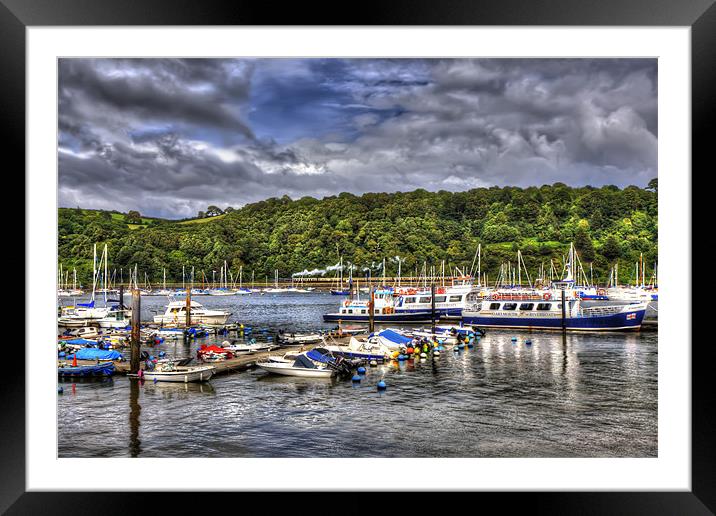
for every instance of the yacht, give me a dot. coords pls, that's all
(176, 314)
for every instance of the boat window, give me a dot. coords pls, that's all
(509, 306)
(527, 306)
(409, 300)
(440, 299)
(494, 306)
(377, 311)
(362, 311)
(559, 306)
(455, 299)
(425, 299)
(350, 311)
(544, 306)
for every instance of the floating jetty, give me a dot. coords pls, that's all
(231, 365)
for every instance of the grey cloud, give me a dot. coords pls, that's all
(168, 137)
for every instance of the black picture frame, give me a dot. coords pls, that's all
(700, 15)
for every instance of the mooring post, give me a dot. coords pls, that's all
(564, 312)
(371, 304)
(188, 308)
(135, 334)
(432, 308)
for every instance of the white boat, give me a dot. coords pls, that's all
(290, 369)
(296, 339)
(368, 349)
(176, 314)
(169, 372)
(170, 333)
(246, 349)
(221, 292)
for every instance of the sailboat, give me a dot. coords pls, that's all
(223, 289)
(276, 289)
(340, 290)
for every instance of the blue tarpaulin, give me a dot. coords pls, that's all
(98, 354)
(394, 337)
(81, 342)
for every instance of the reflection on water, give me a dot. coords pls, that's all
(588, 395)
(135, 444)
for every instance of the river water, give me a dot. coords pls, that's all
(586, 395)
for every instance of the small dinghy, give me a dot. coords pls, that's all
(99, 369)
(169, 372)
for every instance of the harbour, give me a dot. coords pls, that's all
(513, 393)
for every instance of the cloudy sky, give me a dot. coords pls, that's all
(168, 137)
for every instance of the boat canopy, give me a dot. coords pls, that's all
(304, 361)
(318, 356)
(395, 337)
(81, 342)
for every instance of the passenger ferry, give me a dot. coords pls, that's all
(384, 310)
(449, 301)
(551, 315)
(556, 308)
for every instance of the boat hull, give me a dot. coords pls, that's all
(101, 369)
(194, 375)
(381, 318)
(622, 321)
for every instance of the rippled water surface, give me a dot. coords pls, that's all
(589, 395)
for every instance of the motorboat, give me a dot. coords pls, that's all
(291, 369)
(297, 339)
(170, 372)
(176, 314)
(316, 363)
(366, 349)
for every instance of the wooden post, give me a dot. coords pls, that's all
(188, 308)
(564, 312)
(432, 308)
(371, 318)
(135, 335)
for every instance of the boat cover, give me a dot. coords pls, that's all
(395, 337)
(87, 305)
(97, 354)
(316, 355)
(303, 361)
(81, 342)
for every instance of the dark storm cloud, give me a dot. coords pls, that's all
(168, 137)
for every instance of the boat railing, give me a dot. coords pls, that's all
(599, 311)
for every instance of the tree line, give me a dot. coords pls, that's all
(606, 224)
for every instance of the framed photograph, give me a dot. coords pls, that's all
(426, 248)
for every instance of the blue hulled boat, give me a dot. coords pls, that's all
(99, 369)
(550, 315)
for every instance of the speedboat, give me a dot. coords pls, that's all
(176, 314)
